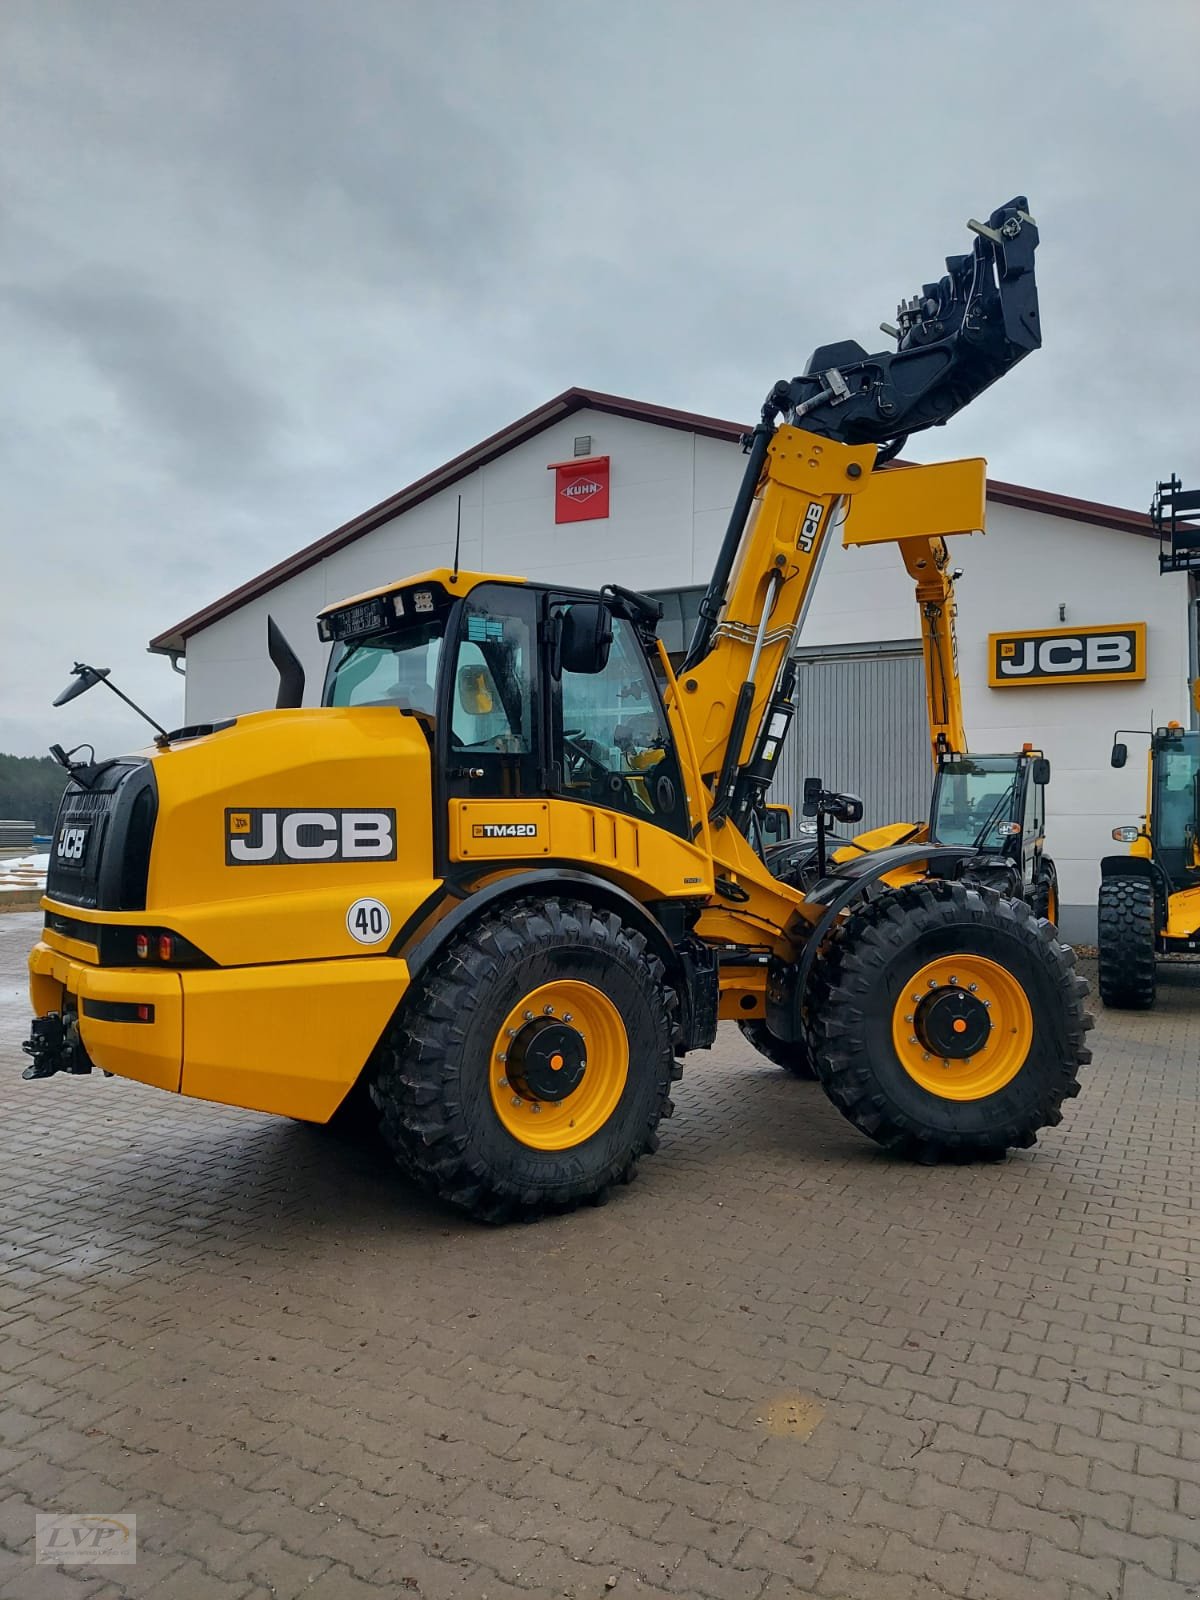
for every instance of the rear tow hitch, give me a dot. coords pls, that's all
(55, 1046)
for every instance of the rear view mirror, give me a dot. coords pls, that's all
(1041, 771)
(584, 637)
(1119, 753)
(85, 678)
(776, 823)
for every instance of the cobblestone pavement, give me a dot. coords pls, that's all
(779, 1364)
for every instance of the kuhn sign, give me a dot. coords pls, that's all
(1108, 653)
(581, 489)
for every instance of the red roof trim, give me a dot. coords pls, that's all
(535, 422)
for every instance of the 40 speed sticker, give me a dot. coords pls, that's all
(369, 921)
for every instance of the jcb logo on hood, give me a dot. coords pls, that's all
(260, 838)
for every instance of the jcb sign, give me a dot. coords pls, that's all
(1109, 654)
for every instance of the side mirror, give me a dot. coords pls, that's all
(584, 637)
(85, 678)
(776, 823)
(1119, 753)
(1041, 771)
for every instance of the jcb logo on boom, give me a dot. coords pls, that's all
(1081, 655)
(811, 526)
(259, 838)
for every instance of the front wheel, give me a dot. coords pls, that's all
(951, 1023)
(530, 1068)
(1126, 926)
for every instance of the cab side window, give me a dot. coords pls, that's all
(492, 690)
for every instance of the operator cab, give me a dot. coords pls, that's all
(524, 691)
(993, 803)
(1174, 803)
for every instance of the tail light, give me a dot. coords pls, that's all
(141, 946)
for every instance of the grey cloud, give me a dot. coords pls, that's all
(169, 365)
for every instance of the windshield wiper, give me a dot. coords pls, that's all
(993, 815)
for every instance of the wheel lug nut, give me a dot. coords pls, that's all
(925, 1057)
(953, 979)
(912, 1038)
(567, 1017)
(502, 1083)
(535, 1106)
(512, 1033)
(933, 983)
(516, 1099)
(547, 1011)
(502, 1058)
(529, 1016)
(972, 987)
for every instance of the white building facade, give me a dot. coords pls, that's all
(1047, 563)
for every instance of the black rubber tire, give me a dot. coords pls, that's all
(792, 1055)
(870, 961)
(998, 880)
(1044, 899)
(1127, 925)
(430, 1075)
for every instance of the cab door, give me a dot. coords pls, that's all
(610, 743)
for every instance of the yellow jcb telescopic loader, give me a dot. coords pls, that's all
(1150, 899)
(502, 878)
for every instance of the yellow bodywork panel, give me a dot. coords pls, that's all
(1183, 914)
(926, 502)
(288, 1039)
(218, 795)
(743, 994)
(637, 854)
(151, 1052)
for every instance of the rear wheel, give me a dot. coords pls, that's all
(793, 1056)
(1126, 923)
(951, 1023)
(531, 1067)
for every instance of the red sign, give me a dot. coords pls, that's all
(580, 489)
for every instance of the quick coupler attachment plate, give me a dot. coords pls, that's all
(54, 1046)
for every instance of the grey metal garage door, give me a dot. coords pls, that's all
(860, 726)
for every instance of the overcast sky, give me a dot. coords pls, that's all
(264, 263)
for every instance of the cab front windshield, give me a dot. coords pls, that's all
(390, 669)
(974, 798)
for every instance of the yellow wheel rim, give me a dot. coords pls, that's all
(962, 1027)
(1052, 904)
(558, 1065)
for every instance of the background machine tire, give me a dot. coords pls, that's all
(951, 1023)
(1045, 892)
(1126, 938)
(465, 1081)
(793, 1056)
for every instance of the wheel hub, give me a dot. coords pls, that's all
(546, 1060)
(952, 1024)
